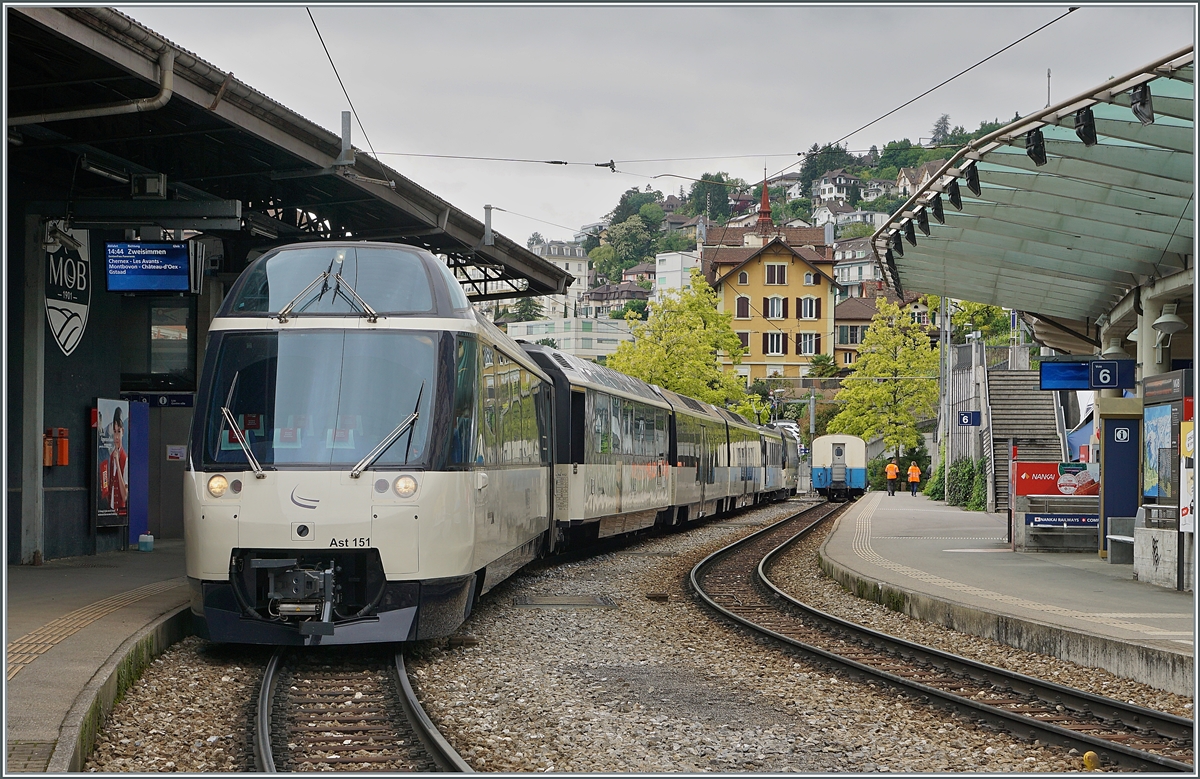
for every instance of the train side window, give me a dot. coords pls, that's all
(600, 430)
(615, 426)
(462, 434)
(578, 426)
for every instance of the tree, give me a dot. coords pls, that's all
(941, 130)
(824, 158)
(547, 342)
(900, 154)
(710, 195)
(673, 241)
(822, 366)
(527, 309)
(991, 321)
(604, 260)
(856, 230)
(652, 215)
(677, 346)
(637, 307)
(534, 240)
(894, 383)
(631, 202)
(631, 241)
(591, 241)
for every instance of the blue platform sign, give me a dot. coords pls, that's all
(1062, 520)
(970, 418)
(1087, 374)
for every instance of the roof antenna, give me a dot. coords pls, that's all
(1047, 87)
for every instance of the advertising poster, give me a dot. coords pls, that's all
(1057, 479)
(1187, 489)
(1157, 426)
(112, 457)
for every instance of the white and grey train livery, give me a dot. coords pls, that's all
(368, 456)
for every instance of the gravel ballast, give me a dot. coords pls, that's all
(651, 685)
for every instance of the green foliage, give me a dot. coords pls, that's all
(527, 309)
(533, 240)
(935, 487)
(884, 204)
(604, 260)
(991, 321)
(632, 242)
(855, 230)
(652, 216)
(893, 385)
(710, 195)
(978, 499)
(673, 241)
(631, 203)
(677, 346)
(590, 242)
(824, 158)
(941, 129)
(547, 342)
(822, 366)
(636, 307)
(961, 483)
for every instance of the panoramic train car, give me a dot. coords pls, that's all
(775, 463)
(839, 466)
(791, 459)
(367, 457)
(698, 448)
(745, 472)
(611, 472)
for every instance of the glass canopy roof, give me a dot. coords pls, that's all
(1069, 237)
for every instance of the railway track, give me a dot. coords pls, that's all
(354, 711)
(734, 581)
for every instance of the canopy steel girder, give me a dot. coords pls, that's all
(1072, 236)
(203, 92)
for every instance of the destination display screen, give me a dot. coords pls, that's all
(147, 267)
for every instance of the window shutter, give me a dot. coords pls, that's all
(766, 346)
(770, 274)
(799, 309)
(816, 279)
(783, 339)
(817, 308)
(817, 343)
(785, 308)
(799, 344)
(766, 309)
(781, 274)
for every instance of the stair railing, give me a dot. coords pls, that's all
(1060, 424)
(985, 405)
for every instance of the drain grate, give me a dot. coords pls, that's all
(29, 756)
(565, 601)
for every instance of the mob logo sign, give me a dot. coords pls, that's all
(68, 292)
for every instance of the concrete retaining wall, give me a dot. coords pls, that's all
(1165, 670)
(78, 735)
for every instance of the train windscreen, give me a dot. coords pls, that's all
(320, 398)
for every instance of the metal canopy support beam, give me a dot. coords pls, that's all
(1059, 326)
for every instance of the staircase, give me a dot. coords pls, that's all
(1022, 412)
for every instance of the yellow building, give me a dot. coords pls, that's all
(780, 291)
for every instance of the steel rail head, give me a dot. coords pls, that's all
(435, 743)
(264, 760)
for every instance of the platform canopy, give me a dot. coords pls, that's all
(1062, 212)
(237, 164)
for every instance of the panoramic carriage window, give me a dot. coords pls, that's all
(320, 398)
(372, 272)
(601, 435)
(462, 436)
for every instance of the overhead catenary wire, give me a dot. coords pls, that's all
(340, 83)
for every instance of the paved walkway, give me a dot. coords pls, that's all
(63, 621)
(963, 557)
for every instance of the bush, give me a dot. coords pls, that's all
(962, 482)
(876, 477)
(935, 488)
(978, 499)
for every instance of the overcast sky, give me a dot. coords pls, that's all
(750, 86)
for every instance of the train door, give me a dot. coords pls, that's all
(838, 463)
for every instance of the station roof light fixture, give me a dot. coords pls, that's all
(910, 232)
(1132, 335)
(954, 194)
(1114, 350)
(972, 176)
(1035, 147)
(935, 208)
(897, 244)
(1142, 104)
(1085, 126)
(1170, 322)
(91, 166)
(923, 220)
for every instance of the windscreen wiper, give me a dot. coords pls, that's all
(366, 307)
(283, 312)
(389, 439)
(233, 426)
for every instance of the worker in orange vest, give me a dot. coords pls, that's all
(893, 474)
(914, 477)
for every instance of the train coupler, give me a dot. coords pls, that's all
(306, 594)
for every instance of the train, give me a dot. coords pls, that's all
(369, 456)
(839, 466)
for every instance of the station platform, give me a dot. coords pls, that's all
(956, 568)
(73, 627)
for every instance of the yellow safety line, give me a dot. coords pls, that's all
(29, 647)
(864, 550)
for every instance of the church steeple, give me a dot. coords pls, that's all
(764, 210)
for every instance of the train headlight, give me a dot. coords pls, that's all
(217, 486)
(405, 486)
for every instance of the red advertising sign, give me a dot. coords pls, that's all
(1056, 478)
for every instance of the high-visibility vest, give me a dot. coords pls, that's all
(914, 473)
(893, 471)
